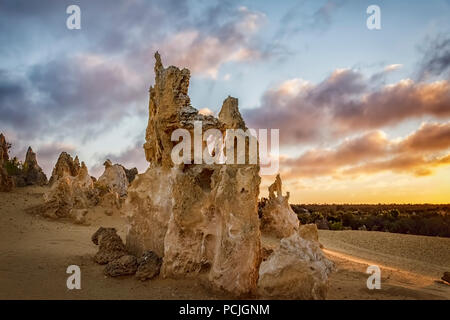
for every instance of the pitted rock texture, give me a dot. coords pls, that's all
(278, 218)
(124, 266)
(149, 266)
(110, 245)
(200, 218)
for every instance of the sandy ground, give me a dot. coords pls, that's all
(35, 253)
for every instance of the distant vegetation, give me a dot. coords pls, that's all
(422, 219)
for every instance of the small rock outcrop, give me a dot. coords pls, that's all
(113, 178)
(149, 266)
(6, 182)
(69, 196)
(32, 172)
(278, 218)
(296, 270)
(201, 219)
(65, 165)
(124, 266)
(110, 245)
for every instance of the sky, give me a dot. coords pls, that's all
(364, 115)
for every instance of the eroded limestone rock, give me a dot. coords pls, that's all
(123, 266)
(65, 165)
(149, 266)
(202, 218)
(69, 193)
(278, 218)
(297, 269)
(110, 245)
(114, 178)
(32, 172)
(130, 173)
(309, 232)
(6, 182)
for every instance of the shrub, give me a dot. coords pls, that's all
(336, 226)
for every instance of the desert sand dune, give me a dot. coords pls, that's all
(35, 253)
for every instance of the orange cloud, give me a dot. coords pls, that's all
(344, 103)
(373, 152)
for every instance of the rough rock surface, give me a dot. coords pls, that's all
(309, 232)
(110, 245)
(202, 218)
(67, 194)
(6, 182)
(114, 178)
(278, 218)
(32, 172)
(130, 173)
(123, 266)
(297, 269)
(149, 266)
(65, 165)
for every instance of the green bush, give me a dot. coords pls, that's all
(336, 226)
(13, 167)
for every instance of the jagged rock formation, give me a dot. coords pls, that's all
(202, 219)
(32, 172)
(295, 267)
(130, 173)
(6, 182)
(278, 218)
(230, 115)
(73, 190)
(65, 166)
(29, 172)
(113, 178)
(149, 266)
(110, 245)
(68, 195)
(296, 270)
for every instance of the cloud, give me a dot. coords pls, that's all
(392, 104)
(69, 95)
(204, 51)
(373, 152)
(392, 67)
(436, 57)
(345, 102)
(129, 158)
(429, 137)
